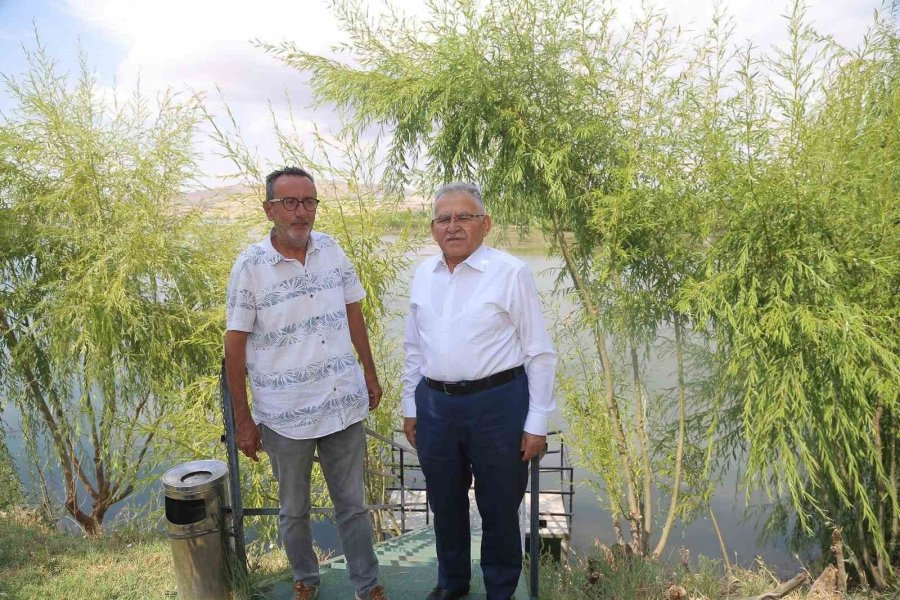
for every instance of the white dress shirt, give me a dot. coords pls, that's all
(304, 377)
(483, 318)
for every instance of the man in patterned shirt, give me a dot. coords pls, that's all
(293, 320)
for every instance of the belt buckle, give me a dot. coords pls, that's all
(450, 386)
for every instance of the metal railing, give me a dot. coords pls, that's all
(566, 478)
(566, 490)
(399, 453)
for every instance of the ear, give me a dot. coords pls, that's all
(267, 206)
(487, 224)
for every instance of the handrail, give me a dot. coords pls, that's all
(234, 477)
(535, 552)
(390, 442)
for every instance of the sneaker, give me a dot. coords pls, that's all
(305, 592)
(376, 593)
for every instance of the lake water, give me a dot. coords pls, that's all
(591, 522)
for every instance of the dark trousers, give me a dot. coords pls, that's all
(477, 434)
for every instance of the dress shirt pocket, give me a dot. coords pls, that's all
(425, 319)
(485, 322)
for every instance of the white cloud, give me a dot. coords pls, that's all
(764, 22)
(199, 44)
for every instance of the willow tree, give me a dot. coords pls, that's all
(522, 96)
(109, 303)
(801, 286)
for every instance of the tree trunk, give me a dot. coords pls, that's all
(679, 449)
(612, 406)
(895, 513)
(644, 446)
(867, 565)
(880, 493)
(47, 403)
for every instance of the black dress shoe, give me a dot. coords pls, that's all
(440, 593)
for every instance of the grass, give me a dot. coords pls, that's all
(38, 561)
(620, 577)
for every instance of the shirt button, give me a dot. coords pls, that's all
(310, 295)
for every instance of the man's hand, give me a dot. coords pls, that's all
(409, 428)
(532, 445)
(360, 339)
(248, 440)
(374, 390)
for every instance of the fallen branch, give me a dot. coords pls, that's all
(781, 591)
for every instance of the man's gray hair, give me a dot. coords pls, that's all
(285, 172)
(458, 187)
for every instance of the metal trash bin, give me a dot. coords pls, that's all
(195, 494)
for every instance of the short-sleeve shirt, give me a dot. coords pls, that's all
(304, 378)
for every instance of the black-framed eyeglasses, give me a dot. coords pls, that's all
(461, 218)
(291, 203)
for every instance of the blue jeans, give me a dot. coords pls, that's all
(341, 456)
(478, 435)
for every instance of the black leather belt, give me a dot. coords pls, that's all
(459, 388)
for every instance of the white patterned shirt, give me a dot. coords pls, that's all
(305, 380)
(483, 318)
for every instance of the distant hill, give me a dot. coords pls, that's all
(233, 199)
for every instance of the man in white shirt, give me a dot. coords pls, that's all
(478, 391)
(293, 319)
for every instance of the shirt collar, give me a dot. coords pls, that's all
(275, 256)
(478, 260)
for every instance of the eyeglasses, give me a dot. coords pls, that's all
(291, 203)
(461, 218)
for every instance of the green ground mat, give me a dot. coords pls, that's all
(408, 571)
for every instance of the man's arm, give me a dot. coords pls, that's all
(412, 375)
(248, 440)
(540, 362)
(360, 338)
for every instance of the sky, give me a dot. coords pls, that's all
(198, 45)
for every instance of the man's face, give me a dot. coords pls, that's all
(292, 227)
(459, 240)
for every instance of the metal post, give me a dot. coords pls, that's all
(562, 456)
(402, 496)
(237, 507)
(535, 525)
